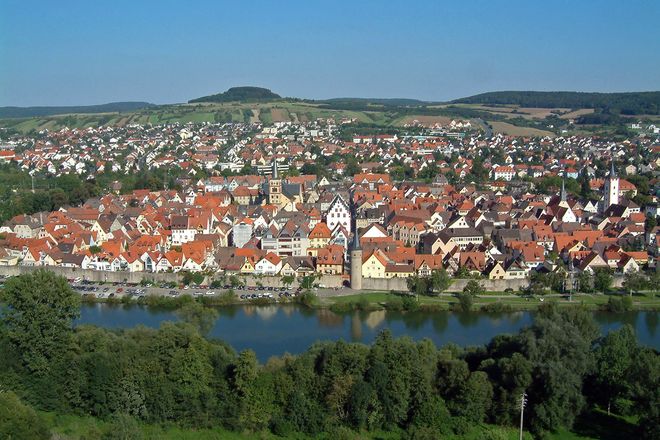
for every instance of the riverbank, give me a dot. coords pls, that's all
(498, 302)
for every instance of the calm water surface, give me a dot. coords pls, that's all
(277, 329)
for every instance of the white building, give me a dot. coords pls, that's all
(338, 213)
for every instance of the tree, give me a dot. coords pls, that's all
(122, 427)
(586, 282)
(19, 421)
(201, 317)
(440, 280)
(473, 288)
(234, 281)
(645, 378)
(352, 167)
(287, 280)
(635, 282)
(307, 282)
(253, 413)
(614, 356)
(192, 278)
(602, 280)
(419, 285)
(39, 317)
(560, 357)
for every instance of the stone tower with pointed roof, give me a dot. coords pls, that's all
(611, 189)
(356, 256)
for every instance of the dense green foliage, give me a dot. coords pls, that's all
(243, 94)
(19, 421)
(52, 193)
(632, 103)
(175, 375)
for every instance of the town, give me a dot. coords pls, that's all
(323, 198)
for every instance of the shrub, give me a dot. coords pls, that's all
(497, 307)
(409, 303)
(619, 305)
(307, 299)
(465, 302)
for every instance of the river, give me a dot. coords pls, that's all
(276, 329)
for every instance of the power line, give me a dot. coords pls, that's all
(523, 402)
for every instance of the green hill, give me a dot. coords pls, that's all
(242, 94)
(29, 112)
(631, 103)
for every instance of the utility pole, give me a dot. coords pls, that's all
(523, 402)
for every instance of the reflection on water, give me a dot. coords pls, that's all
(329, 319)
(651, 320)
(374, 319)
(356, 327)
(267, 312)
(273, 330)
(440, 322)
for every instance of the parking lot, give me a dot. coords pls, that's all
(119, 290)
(136, 291)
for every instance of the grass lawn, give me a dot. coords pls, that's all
(592, 301)
(597, 424)
(72, 427)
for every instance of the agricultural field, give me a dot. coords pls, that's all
(509, 119)
(514, 130)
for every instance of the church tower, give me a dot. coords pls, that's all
(611, 189)
(563, 199)
(275, 187)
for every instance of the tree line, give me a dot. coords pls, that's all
(175, 375)
(633, 103)
(52, 193)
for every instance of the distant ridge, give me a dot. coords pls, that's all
(243, 94)
(29, 112)
(627, 103)
(381, 101)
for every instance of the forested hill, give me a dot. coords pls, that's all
(29, 112)
(243, 94)
(631, 103)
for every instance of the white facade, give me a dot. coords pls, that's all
(241, 234)
(180, 236)
(338, 214)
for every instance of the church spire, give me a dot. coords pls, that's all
(356, 240)
(612, 170)
(274, 175)
(563, 189)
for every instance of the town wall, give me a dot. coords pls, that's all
(328, 281)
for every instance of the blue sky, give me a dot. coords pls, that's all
(90, 52)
